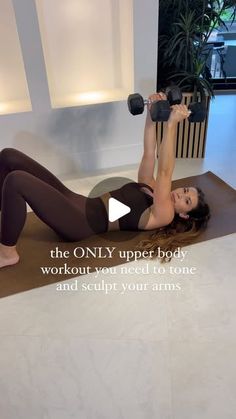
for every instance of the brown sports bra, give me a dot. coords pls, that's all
(138, 196)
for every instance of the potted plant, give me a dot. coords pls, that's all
(184, 53)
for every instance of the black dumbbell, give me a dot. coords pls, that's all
(160, 110)
(198, 109)
(174, 95)
(198, 112)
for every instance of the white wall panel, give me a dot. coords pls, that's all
(88, 50)
(14, 95)
(77, 140)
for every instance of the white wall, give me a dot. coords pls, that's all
(86, 138)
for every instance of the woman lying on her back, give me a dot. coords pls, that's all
(177, 216)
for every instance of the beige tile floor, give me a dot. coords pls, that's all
(133, 354)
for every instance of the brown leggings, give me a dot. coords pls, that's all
(23, 180)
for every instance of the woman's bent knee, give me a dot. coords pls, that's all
(8, 155)
(14, 179)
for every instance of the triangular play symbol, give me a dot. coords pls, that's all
(116, 209)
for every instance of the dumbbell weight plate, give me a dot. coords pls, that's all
(174, 95)
(160, 111)
(198, 112)
(135, 104)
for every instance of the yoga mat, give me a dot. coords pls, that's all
(37, 240)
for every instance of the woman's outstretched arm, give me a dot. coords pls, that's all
(163, 207)
(166, 159)
(147, 164)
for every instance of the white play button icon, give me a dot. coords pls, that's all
(116, 209)
(112, 209)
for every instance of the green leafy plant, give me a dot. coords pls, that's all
(185, 27)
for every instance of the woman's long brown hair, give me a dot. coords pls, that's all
(179, 233)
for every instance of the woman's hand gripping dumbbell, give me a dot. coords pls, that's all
(160, 104)
(178, 112)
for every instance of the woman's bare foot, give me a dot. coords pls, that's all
(8, 255)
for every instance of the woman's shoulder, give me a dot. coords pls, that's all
(151, 220)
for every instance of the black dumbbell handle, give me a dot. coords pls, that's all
(148, 101)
